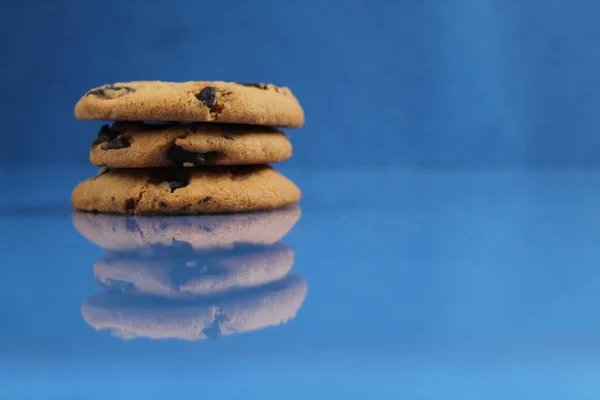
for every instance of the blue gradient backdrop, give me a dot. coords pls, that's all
(407, 82)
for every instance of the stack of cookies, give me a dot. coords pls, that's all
(188, 148)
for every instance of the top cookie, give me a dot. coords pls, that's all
(227, 102)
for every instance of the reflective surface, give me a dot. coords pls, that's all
(192, 278)
(415, 284)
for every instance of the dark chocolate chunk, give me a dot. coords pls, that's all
(208, 96)
(176, 179)
(96, 92)
(112, 138)
(178, 156)
(110, 91)
(174, 185)
(205, 199)
(217, 109)
(130, 204)
(120, 142)
(106, 134)
(162, 204)
(228, 137)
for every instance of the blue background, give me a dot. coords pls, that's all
(454, 282)
(415, 83)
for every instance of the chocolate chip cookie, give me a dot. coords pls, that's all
(228, 102)
(139, 145)
(185, 190)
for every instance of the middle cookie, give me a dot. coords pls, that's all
(140, 145)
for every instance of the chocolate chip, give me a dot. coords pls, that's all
(110, 91)
(217, 109)
(112, 137)
(208, 96)
(174, 185)
(228, 137)
(175, 178)
(112, 199)
(162, 204)
(120, 142)
(205, 199)
(179, 156)
(96, 92)
(130, 204)
(106, 134)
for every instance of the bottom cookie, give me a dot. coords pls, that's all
(185, 190)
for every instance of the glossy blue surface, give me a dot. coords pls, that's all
(420, 284)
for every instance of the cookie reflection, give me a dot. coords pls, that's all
(187, 273)
(116, 232)
(175, 285)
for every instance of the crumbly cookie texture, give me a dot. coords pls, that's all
(204, 232)
(228, 102)
(139, 145)
(185, 190)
